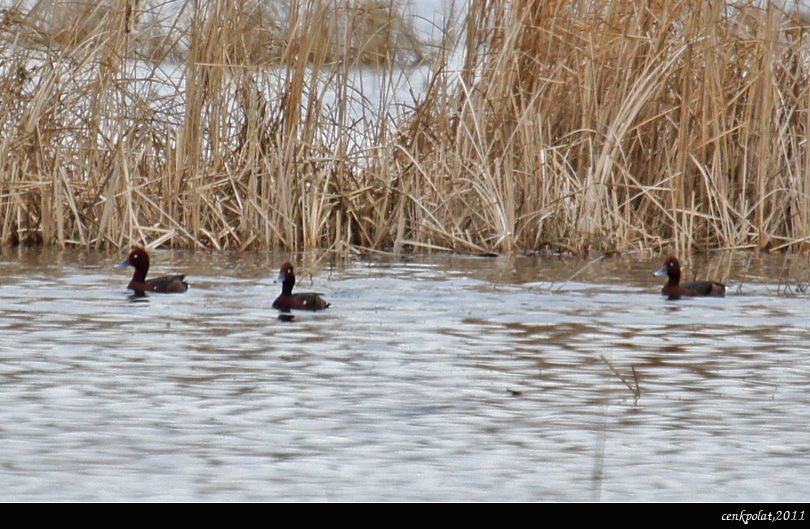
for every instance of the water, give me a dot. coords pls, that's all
(432, 378)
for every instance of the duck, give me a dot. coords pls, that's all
(675, 290)
(138, 258)
(300, 300)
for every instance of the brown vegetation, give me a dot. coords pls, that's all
(567, 124)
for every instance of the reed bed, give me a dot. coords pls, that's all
(577, 125)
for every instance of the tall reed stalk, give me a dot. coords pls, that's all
(576, 125)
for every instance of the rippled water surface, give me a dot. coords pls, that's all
(432, 378)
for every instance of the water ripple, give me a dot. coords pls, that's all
(437, 379)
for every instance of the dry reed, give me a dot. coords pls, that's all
(575, 125)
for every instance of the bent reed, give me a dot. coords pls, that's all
(575, 125)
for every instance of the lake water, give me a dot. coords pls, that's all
(429, 378)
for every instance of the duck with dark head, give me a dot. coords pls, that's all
(300, 300)
(139, 259)
(675, 290)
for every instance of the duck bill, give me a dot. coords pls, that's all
(661, 271)
(281, 277)
(122, 264)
